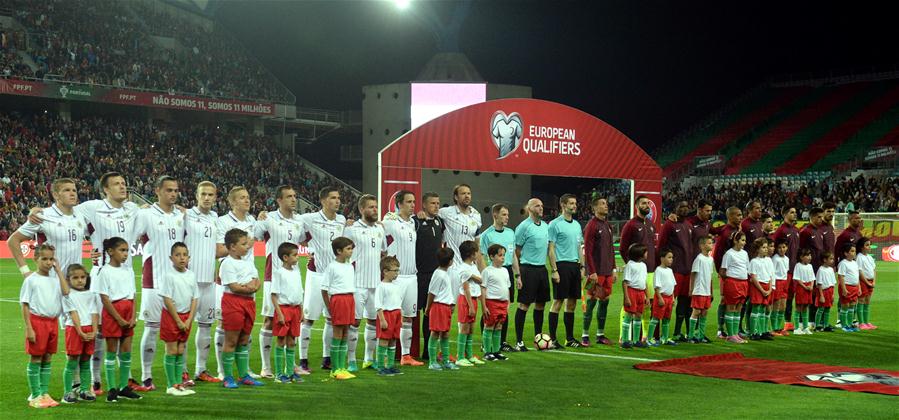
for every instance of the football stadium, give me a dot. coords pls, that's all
(386, 209)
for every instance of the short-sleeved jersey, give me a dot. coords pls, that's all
(866, 265)
(275, 230)
(781, 266)
(389, 296)
(462, 274)
(181, 287)
(237, 271)
(159, 230)
(825, 277)
(441, 287)
(497, 282)
(288, 285)
(84, 303)
(200, 236)
(757, 268)
(401, 237)
(703, 265)
(339, 278)
(106, 221)
(803, 272)
(460, 227)
(635, 274)
(230, 221)
(567, 237)
(371, 241)
(736, 263)
(319, 232)
(664, 280)
(504, 237)
(65, 232)
(533, 238)
(115, 282)
(599, 254)
(849, 271)
(42, 294)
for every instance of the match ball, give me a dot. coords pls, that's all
(542, 341)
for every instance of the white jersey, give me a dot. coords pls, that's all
(389, 297)
(339, 279)
(63, 232)
(849, 271)
(759, 269)
(804, 273)
(401, 237)
(781, 266)
(736, 263)
(237, 271)
(115, 282)
(181, 287)
(200, 234)
(83, 302)
(703, 266)
(105, 221)
(288, 285)
(635, 274)
(825, 277)
(460, 227)
(664, 280)
(442, 287)
(319, 232)
(371, 241)
(230, 221)
(462, 274)
(42, 294)
(159, 230)
(497, 282)
(866, 265)
(275, 230)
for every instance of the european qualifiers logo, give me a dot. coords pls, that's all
(506, 132)
(510, 134)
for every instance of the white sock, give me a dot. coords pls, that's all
(184, 356)
(202, 341)
(352, 340)
(406, 337)
(265, 349)
(371, 342)
(219, 344)
(305, 338)
(97, 359)
(327, 335)
(148, 349)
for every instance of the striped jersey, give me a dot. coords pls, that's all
(200, 236)
(230, 221)
(460, 227)
(401, 237)
(63, 232)
(106, 221)
(371, 241)
(275, 230)
(159, 231)
(319, 232)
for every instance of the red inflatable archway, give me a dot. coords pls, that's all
(520, 136)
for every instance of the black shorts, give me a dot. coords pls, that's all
(534, 284)
(512, 283)
(424, 281)
(569, 285)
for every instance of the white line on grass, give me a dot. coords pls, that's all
(605, 356)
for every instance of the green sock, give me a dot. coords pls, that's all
(487, 338)
(391, 356)
(290, 354)
(45, 377)
(344, 353)
(228, 363)
(601, 317)
(468, 344)
(635, 328)
(827, 316)
(588, 315)
(68, 374)
(34, 378)
(109, 365)
(866, 312)
(85, 374)
(242, 358)
(124, 368)
(700, 331)
(460, 346)
(653, 324)
(497, 340)
(433, 349)
(692, 326)
(665, 324)
(381, 356)
(850, 316)
(335, 354)
(626, 328)
(766, 321)
(280, 354)
(804, 315)
(169, 363)
(444, 348)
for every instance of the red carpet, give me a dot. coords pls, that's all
(735, 366)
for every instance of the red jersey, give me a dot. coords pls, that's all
(810, 237)
(752, 229)
(723, 243)
(599, 254)
(639, 230)
(849, 235)
(790, 234)
(677, 236)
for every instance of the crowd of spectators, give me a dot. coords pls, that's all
(101, 42)
(38, 148)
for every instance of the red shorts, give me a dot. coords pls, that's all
(439, 317)
(780, 291)
(603, 282)
(46, 336)
(756, 297)
(735, 291)
(394, 320)
(866, 290)
(851, 296)
(464, 318)
(342, 309)
(828, 297)
(701, 302)
(75, 345)
(638, 299)
(682, 284)
(499, 311)
(168, 328)
(802, 296)
(238, 313)
(111, 329)
(663, 312)
(292, 319)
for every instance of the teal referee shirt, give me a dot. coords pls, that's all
(533, 238)
(566, 237)
(505, 237)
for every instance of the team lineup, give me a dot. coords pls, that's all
(399, 276)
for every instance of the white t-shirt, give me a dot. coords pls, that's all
(825, 277)
(497, 282)
(866, 265)
(42, 294)
(635, 275)
(736, 263)
(117, 283)
(849, 271)
(781, 266)
(703, 266)
(288, 285)
(462, 273)
(84, 302)
(442, 287)
(804, 273)
(339, 278)
(237, 271)
(389, 296)
(664, 280)
(181, 287)
(759, 269)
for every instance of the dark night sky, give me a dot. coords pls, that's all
(652, 69)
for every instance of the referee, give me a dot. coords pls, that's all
(531, 249)
(430, 239)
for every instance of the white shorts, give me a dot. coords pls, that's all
(219, 292)
(150, 306)
(409, 284)
(206, 303)
(313, 305)
(267, 308)
(365, 303)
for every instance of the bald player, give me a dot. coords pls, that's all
(532, 250)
